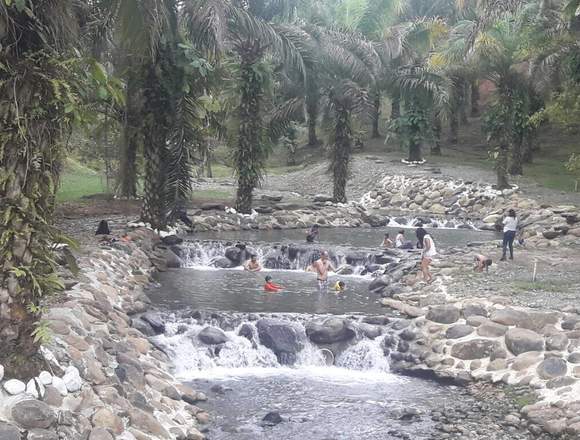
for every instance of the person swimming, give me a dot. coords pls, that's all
(270, 286)
(339, 286)
(312, 234)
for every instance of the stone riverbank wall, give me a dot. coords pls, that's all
(104, 380)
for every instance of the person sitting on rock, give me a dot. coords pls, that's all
(312, 234)
(387, 242)
(401, 242)
(253, 265)
(270, 286)
(482, 262)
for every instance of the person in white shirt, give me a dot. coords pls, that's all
(510, 227)
(401, 242)
(427, 254)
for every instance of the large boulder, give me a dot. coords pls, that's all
(329, 331)
(509, 316)
(475, 309)
(234, 254)
(458, 331)
(155, 321)
(223, 263)
(491, 329)
(551, 368)
(444, 314)
(284, 338)
(212, 336)
(30, 414)
(376, 221)
(520, 341)
(9, 432)
(474, 349)
(558, 342)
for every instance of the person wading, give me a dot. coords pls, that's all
(510, 227)
(253, 265)
(322, 266)
(427, 254)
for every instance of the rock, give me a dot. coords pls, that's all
(35, 388)
(551, 368)
(329, 331)
(458, 331)
(59, 385)
(321, 198)
(497, 364)
(212, 336)
(52, 396)
(155, 321)
(475, 309)
(45, 378)
(272, 419)
(474, 349)
(476, 321)
(284, 338)
(557, 342)
(104, 418)
(537, 321)
(41, 434)
(246, 331)
(1, 372)
(520, 341)
(100, 434)
(369, 330)
(550, 235)
(72, 379)
(212, 206)
(508, 316)
(574, 358)
(147, 423)
(14, 386)
(526, 360)
(9, 432)
(444, 314)
(31, 414)
(491, 329)
(560, 382)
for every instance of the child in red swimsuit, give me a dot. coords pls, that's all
(270, 286)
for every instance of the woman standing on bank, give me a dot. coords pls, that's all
(510, 227)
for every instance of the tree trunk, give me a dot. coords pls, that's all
(395, 107)
(312, 115)
(376, 115)
(437, 129)
(474, 99)
(132, 138)
(529, 148)
(463, 102)
(341, 153)
(454, 125)
(516, 167)
(501, 167)
(249, 155)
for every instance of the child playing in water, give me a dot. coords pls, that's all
(482, 262)
(270, 286)
(339, 286)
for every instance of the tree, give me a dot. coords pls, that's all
(41, 82)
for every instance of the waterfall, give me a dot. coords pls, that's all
(243, 351)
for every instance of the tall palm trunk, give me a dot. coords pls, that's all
(501, 166)
(454, 125)
(395, 106)
(376, 115)
(437, 129)
(312, 116)
(35, 89)
(463, 102)
(249, 155)
(132, 138)
(474, 99)
(341, 153)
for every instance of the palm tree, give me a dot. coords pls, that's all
(39, 87)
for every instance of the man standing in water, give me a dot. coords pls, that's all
(253, 265)
(322, 266)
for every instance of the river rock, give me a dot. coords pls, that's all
(284, 338)
(9, 432)
(475, 309)
(31, 414)
(491, 329)
(1, 372)
(72, 379)
(155, 321)
(474, 349)
(59, 385)
(550, 235)
(223, 263)
(508, 316)
(14, 386)
(212, 336)
(41, 434)
(147, 423)
(101, 434)
(458, 331)
(557, 342)
(104, 418)
(52, 396)
(45, 378)
(445, 314)
(519, 341)
(246, 331)
(329, 331)
(272, 419)
(551, 368)
(574, 358)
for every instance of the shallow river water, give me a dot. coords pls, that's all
(353, 396)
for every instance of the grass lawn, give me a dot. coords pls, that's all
(78, 181)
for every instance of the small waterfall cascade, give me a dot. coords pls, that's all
(227, 255)
(200, 349)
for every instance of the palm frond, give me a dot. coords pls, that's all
(284, 115)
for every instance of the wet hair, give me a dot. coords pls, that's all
(341, 284)
(421, 234)
(253, 256)
(314, 226)
(488, 262)
(511, 213)
(386, 234)
(402, 231)
(268, 278)
(103, 228)
(324, 254)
